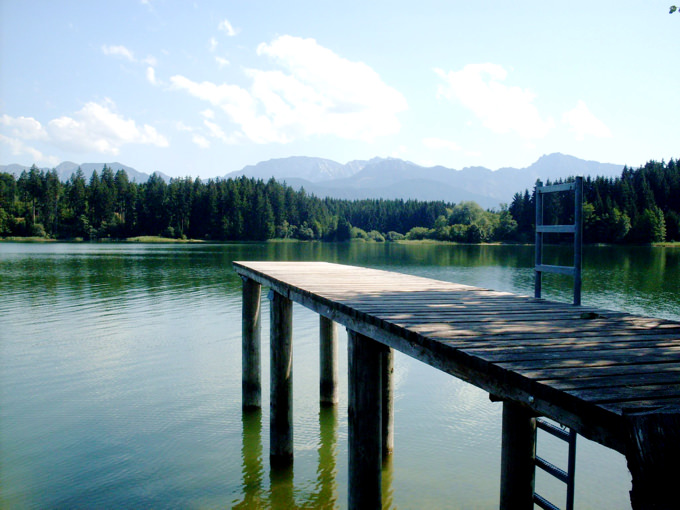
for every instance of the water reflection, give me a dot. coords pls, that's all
(326, 491)
(282, 492)
(251, 455)
(387, 486)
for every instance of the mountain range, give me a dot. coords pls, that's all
(391, 178)
(396, 178)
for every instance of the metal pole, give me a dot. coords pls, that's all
(538, 197)
(578, 238)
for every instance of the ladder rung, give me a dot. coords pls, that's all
(554, 430)
(544, 503)
(567, 186)
(546, 466)
(544, 268)
(556, 229)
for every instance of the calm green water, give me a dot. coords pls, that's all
(120, 380)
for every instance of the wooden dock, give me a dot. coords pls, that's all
(612, 377)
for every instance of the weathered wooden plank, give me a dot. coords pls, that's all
(607, 381)
(623, 353)
(556, 336)
(538, 317)
(447, 331)
(642, 406)
(519, 344)
(629, 393)
(547, 373)
(580, 360)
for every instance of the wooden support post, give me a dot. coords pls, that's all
(328, 362)
(387, 402)
(365, 422)
(652, 453)
(281, 370)
(251, 388)
(518, 453)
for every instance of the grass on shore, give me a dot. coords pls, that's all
(159, 239)
(32, 239)
(170, 240)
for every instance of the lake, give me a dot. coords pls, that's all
(120, 380)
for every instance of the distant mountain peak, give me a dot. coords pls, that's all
(396, 178)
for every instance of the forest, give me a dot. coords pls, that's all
(641, 206)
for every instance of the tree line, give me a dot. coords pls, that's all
(109, 205)
(641, 206)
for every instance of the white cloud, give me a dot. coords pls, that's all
(439, 143)
(96, 128)
(18, 148)
(582, 122)
(181, 126)
(151, 76)
(201, 141)
(226, 27)
(122, 51)
(24, 127)
(119, 51)
(222, 62)
(213, 44)
(314, 92)
(208, 113)
(501, 108)
(216, 131)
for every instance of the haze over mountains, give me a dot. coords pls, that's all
(392, 178)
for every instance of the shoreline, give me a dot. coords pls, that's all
(169, 240)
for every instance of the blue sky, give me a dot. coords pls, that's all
(204, 88)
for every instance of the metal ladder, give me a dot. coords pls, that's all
(568, 435)
(568, 476)
(575, 229)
